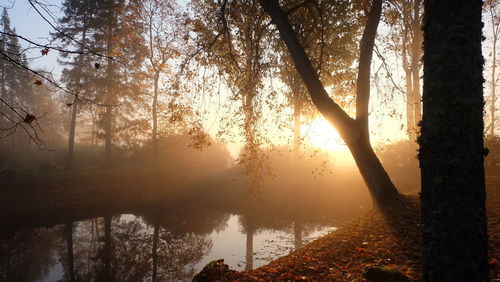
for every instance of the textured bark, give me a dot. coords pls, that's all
(354, 132)
(451, 144)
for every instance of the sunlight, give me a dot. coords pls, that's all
(320, 134)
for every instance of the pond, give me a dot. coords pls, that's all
(171, 244)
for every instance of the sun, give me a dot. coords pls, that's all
(321, 134)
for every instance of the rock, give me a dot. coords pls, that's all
(215, 270)
(384, 274)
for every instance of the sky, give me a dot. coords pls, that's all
(386, 119)
(30, 24)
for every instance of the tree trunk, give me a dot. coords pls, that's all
(416, 54)
(451, 144)
(296, 124)
(155, 118)
(410, 112)
(108, 128)
(354, 132)
(110, 96)
(493, 84)
(74, 108)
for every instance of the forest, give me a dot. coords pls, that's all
(249, 140)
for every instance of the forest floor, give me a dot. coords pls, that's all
(389, 241)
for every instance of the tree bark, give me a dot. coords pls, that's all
(353, 131)
(451, 143)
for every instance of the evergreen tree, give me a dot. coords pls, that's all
(75, 27)
(118, 35)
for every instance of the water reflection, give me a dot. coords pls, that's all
(153, 245)
(27, 256)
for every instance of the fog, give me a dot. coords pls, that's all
(142, 140)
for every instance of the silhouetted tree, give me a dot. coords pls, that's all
(74, 31)
(451, 144)
(355, 132)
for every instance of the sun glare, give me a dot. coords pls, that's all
(321, 134)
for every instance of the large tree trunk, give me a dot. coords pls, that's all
(355, 132)
(451, 143)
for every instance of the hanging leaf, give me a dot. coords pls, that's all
(29, 118)
(45, 51)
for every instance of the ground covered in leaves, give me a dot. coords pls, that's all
(390, 240)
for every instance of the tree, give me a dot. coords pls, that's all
(76, 24)
(239, 54)
(16, 94)
(353, 131)
(117, 35)
(328, 30)
(165, 30)
(405, 17)
(492, 8)
(451, 144)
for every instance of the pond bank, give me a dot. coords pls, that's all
(392, 241)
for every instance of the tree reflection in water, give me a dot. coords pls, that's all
(27, 256)
(158, 246)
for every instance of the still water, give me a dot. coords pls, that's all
(140, 246)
